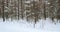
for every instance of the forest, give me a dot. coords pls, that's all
(30, 9)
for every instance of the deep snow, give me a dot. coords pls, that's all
(24, 26)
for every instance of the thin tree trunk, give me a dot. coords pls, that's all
(3, 10)
(7, 11)
(21, 9)
(18, 9)
(34, 13)
(44, 12)
(7, 3)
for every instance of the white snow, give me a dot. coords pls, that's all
(27, 2)
(23, 26)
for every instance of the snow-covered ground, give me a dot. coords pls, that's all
(23, 26)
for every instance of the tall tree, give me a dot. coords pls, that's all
(18, 8)
(22, 9)
(3, 10)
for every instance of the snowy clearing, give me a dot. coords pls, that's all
(23, 26)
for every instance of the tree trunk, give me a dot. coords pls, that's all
(3, 10)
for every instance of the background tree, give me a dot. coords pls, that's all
(3, 10)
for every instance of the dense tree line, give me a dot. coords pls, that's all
(30, 9)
